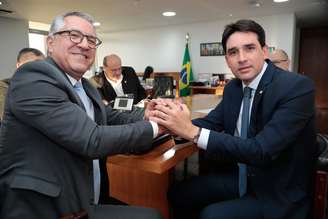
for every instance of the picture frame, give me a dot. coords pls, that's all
(211, 49)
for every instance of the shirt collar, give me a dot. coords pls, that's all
(73, 80)
(115, 82)
(254, 84)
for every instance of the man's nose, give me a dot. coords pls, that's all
(84, 43)
(242, 56)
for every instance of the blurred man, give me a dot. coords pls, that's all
(27, 55)
(265, 123)
(280, 58)
(55, 125)
(116, 80)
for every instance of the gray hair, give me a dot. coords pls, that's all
(59, 22)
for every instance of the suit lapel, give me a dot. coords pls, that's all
(108, 90)
(260, 91)
(234, 105)
(96, 100)
(62, 78)
(125, 82)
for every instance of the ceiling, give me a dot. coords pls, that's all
(122, 15)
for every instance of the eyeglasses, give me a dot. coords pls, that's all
(279, 61)
(77, 37)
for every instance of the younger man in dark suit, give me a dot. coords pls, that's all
(270, 133)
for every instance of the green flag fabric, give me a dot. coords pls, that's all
(186, 74)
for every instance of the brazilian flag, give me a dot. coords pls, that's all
(186, 74)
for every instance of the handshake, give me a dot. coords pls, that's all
(171, 116)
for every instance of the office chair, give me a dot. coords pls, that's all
(128, 69)
(321, 179)
(148, 71)
(163, 87)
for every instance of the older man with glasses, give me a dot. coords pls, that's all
(55, 128)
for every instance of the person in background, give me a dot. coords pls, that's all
(265, 123)
(116, 80)
(148, 71)
(280, 58)
(55, 127)
(25, 55)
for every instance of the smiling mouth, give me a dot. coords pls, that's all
(244, 68)
(85, 56)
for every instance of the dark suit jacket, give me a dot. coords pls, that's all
(130, 85)
(280, 152)
(48, 142)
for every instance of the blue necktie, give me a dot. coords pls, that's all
(243, 134)
(90, 111)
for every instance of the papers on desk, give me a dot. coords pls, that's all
(205, 111)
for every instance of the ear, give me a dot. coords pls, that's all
(227, 61)
(265, 50)
(50, 42)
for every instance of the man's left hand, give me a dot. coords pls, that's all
(175, 117)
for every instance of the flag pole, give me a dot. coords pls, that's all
(187, 37)
(186, 72)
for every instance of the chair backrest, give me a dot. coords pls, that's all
(148, 71)
(163, 87)
(128, 70)
(322, 162)
(321, 180)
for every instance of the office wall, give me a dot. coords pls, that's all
(163, 48)
(13, 37)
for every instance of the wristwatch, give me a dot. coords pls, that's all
(196, 137)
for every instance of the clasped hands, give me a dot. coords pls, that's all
(171, 116)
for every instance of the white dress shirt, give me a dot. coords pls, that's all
(117, 85)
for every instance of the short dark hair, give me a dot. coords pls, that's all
(28, 50)
(243, 26)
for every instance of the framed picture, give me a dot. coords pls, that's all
(211, 49)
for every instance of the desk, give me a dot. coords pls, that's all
(144, 179)
(206, 90)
